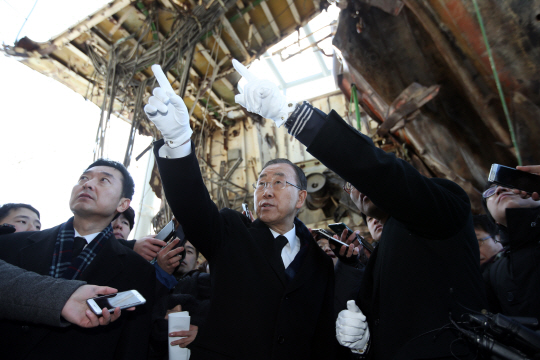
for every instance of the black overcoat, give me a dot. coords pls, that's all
(255, 312)
(426, 267)
(116, 266)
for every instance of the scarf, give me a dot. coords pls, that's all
(63, 266)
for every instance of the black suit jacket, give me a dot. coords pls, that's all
(115, 266)
(255, 312)
(426, 266)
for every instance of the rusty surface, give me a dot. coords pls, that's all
(462, 131)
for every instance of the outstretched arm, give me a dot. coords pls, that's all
(431, 208)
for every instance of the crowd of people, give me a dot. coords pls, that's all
(270, 287)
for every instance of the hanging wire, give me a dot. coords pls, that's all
(497, 82)
(25, 20)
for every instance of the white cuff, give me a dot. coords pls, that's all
(175, 153)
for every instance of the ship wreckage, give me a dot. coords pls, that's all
(450, 86)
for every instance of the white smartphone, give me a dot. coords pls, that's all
(123, 300)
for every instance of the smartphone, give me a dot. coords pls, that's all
(325, 235)
(170, 232)
(514, 178)
(338, 228)
(123, 300)
(245, 207)
(167, 233)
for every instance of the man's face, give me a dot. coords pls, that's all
(121, 227)
(190, 261)
(375, 228)
(23, 219)
(323, 244)
(504, 199)
(274, 205)
(365, 205)
(98, 193)
(487, 245)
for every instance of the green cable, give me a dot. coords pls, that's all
(357, 108)
(497, 81)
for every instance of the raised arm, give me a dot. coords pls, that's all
(434, 208)
(180, 174)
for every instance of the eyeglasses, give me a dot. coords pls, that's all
(348, 187)
(489, 192)
(275, 184)
(481, 241)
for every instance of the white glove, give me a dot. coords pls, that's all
(262, 97)
(168, 112)
(352, 329)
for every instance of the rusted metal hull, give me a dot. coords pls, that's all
(460, 132)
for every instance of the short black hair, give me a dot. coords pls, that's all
(129, 214)
(6, 208)
(484, 223)
(300, 176)
(128, 185)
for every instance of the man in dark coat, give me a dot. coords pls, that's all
(84, 248)
(272, 286)
(425, 269)
(513, 281)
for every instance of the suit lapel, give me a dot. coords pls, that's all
(306, 268)
(264, 238)
(107, 264)
(37, 256)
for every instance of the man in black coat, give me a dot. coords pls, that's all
(425, 269)
(272, 286)
(513, 279)
(84, 248)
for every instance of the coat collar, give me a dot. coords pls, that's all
(264, 237)
(523, 227)
(37, 257)
(107, 264)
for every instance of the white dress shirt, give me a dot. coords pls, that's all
(291, 249)
(88, 238)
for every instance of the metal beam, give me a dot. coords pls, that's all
(247, 18)
(92, 20)
(229, 29)
(271, 20)
(317, 54)
(294, 12)
(274, 69)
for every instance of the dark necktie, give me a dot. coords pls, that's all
(78, 246)
(281, 241)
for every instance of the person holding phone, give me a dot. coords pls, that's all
(272, 286)
(425, 268)
(40, 299)
(84, 248)
(512, 280)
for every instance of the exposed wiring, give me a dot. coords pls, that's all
(25, 20)
(497, 81)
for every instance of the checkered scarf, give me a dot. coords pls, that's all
(63, 266)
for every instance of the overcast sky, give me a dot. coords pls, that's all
(48, 131)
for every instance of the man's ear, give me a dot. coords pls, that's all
(302, 194)
(123, 205)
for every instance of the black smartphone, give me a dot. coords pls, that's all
(325, 235)
(339, 228)
(170, 232)
(514, 178)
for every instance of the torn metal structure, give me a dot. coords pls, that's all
(419, 68)
(440, 47)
